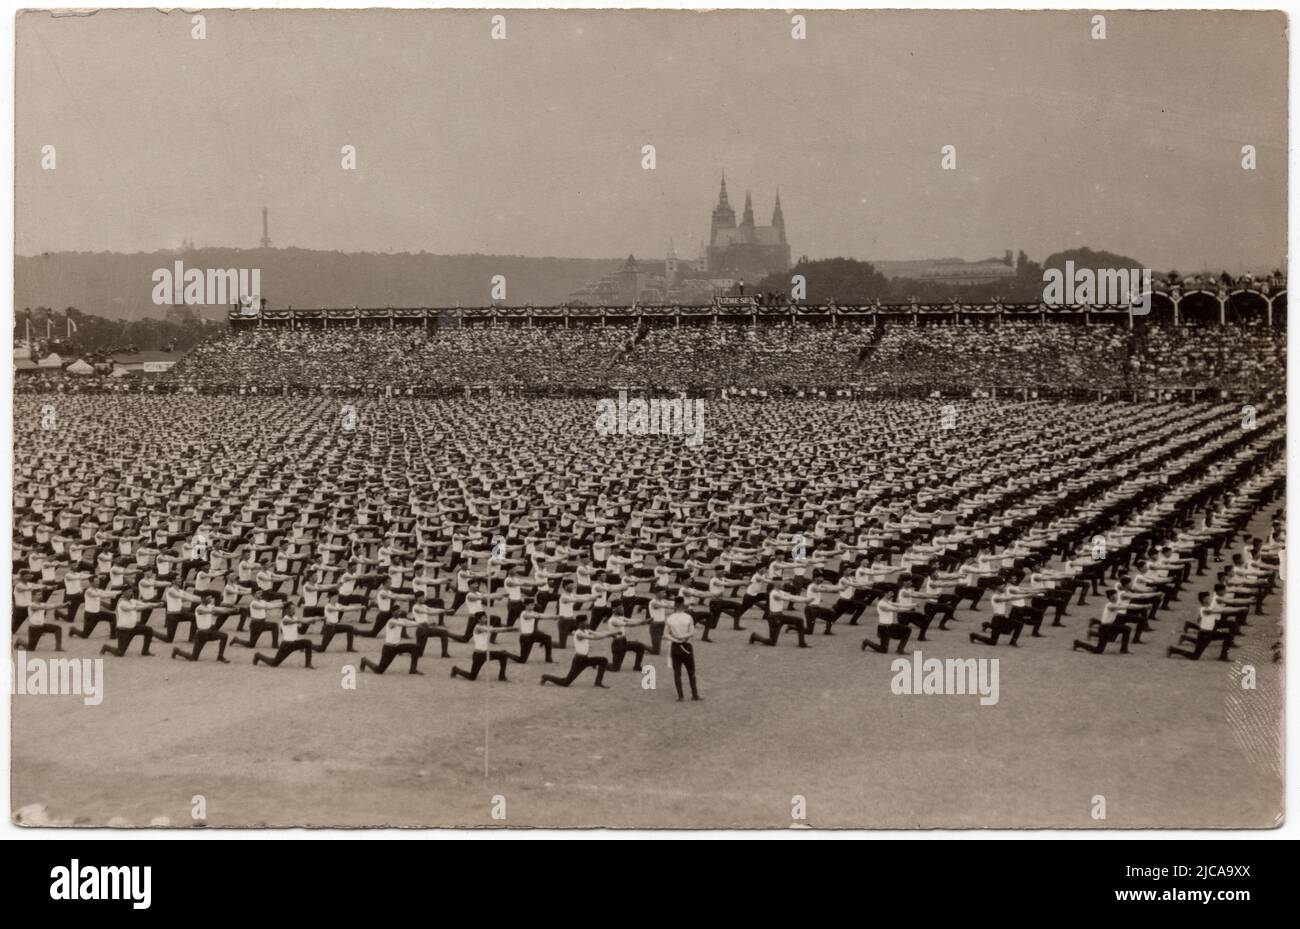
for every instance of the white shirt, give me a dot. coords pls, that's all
(680, 625)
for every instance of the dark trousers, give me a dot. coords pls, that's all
(1029, 616)
(201, 638)
(481, 658)
(918, 619)
(720, 605)
(999, 626)
(632, 601)
(526, 642)
(620, 648)
(749, 601)
(580, 664)
(90, 620)
(824, 613)
(656, 637)
(381, 620)
(255, 629)
(1203, 639)
(852, 607)
(1106, 633)
(284, 651)
(892, 631)
(34, 634)
(124, 637)
(564, 628)
(423, 634)
(470, 625)
(173, 620)
(775, 623)
(1220, 625)
(389, 652)
(71, 603)
(330, 630)
(683, 657)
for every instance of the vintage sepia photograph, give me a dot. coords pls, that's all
(649, 419)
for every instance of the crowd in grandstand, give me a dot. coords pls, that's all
(1251, 358)
(1012, 355)
(722, 356)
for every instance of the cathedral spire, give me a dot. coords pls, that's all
(778, 218)
(748, 218)
(724, 217)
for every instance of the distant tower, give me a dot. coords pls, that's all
(670, 263)
(778, 218)
(266, 230)
(724, 217)
(748, 218)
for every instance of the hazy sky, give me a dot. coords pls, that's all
(532, 145)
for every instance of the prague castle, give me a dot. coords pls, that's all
(736, 253)
(746, 251)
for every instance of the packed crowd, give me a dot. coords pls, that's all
(1011, 354)
(593, 357)
(744, 356)
(410, 529)
(1250, 358)
(443, 357)
(1054, 357)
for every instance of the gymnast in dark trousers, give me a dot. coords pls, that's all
(394, 646)
(582, 657)
(259, 611)
(483, 653)
(1001, 624)
(888, 627)
(530, 635)
(659, 609)
(205, 618)
(40, 622)
(175, 600)
(622, 646)
(778, 617)
(98, 609)
(1206, 635)
(1222, 622)
(1111, 626)
(291, 640)
(428, 616)
(130, 623)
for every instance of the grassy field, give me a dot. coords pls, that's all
(1166, 742)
